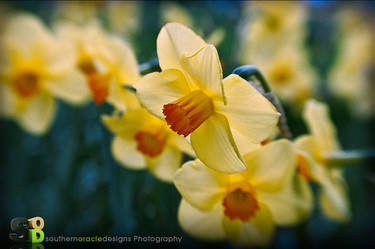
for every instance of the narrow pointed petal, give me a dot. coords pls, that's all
(158, 89)
(173, 41)
(214, 145)
(205, 69)
(247, 110)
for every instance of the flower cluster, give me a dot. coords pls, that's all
(242, 181)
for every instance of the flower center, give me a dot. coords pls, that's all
(151, 142)
(273, 22)
(281, 75)
(240, 204)
(98, 82)
(189, 112)
(303, 167)
(25, 84)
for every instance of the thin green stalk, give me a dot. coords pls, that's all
(342, 158)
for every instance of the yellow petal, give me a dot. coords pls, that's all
(257, 232)
(269, 167)
(71, 87)
(317, 117)
(8, 101)
(127, 125)
(38, 115)
(307, 144)
(244, 145)
(125, 152)
(122, 99)
(205, 225)
(205, 69)
(333, 197)
(247, 110)
(214, 145)
(216, 37)
(125, 61)
(200, 186)
(173, 41)
(24, 34)
(157, 89)
(181, 143)
(165, 166)
(292, 205)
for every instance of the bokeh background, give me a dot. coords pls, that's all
(69, 177)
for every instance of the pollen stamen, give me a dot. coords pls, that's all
(240, 203)
(25, 84)
(151, 141)
(303, 167)
(189, 112)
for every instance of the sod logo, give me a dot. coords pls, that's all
(27, 230)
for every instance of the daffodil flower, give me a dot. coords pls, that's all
(36, 66)
(106, 61)
(289, 74)
(144, 141)
(243, 207)
(192, 96)
(313, 162)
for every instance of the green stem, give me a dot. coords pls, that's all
(149, 66)
(341, 158)
(249, 71)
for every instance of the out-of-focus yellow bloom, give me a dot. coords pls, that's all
(173, 12)
(289, 75)
(36, 66)
(313, 166)
(79, 12)
(273, 40)
(189, 94)
(123, 16)
(144, 141)
(243, 207)
(352, 74)
(107, 62)
(271, 25)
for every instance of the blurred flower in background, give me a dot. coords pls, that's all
(273, 39)
(105, 60)
(319, 146)
(36, 67)
(352, 76)
(144, 141)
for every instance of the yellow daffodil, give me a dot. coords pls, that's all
(144, 141)
(79, 12)
(289, 74)
(313, 163)
(243, 207)
(173, 12)
(271, 25)
(123, 16)
(350, 76)
(35, 67)
(106, 61)
(192, 96)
